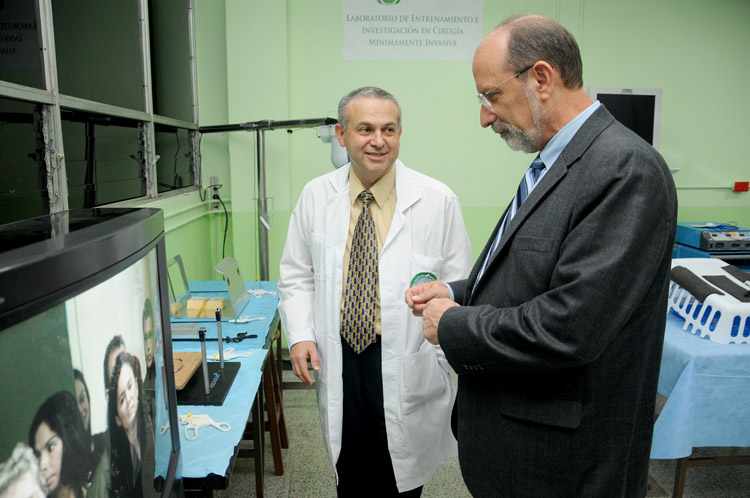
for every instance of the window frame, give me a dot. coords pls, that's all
(52, 102)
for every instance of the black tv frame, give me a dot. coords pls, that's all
(48, 259)
(629, 114)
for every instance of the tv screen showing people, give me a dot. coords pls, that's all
(82, 410)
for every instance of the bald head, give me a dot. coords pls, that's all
(528, 73)
(530, 38)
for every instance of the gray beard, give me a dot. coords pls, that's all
(518, 139)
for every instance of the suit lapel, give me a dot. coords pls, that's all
(594, 125)
(470, 282)
(543, 188)
(545, 185)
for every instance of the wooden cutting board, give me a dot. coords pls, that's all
(185, 365)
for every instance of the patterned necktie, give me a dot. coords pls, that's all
(358, 323)
(528, 182)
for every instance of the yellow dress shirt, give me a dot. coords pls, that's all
(384, 193)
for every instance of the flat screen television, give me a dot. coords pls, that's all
(88, 398)
(637, 108)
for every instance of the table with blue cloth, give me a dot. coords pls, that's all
(707, 386)
(207, 461)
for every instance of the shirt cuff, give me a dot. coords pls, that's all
(450, 289)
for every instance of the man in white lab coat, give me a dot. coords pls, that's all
(384, 392)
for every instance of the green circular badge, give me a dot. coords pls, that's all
(422, 277)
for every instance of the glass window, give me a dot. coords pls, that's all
(173, 169)
(23, 189)
(101, 159)
(96, 57)
(98, 51)
(20, 56)
(170, 59)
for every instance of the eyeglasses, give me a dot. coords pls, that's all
(483, 96)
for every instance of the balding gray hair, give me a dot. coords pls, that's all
(365, 91)
(535, 38)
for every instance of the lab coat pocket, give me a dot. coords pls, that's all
(317, 254)
(321, 345)
(424, 264)
(422, 378)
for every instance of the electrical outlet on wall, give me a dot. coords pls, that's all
(214, 186)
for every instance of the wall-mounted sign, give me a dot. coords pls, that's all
(435, 30)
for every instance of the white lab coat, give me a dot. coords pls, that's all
(427, 234)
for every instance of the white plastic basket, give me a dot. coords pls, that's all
(720, 318)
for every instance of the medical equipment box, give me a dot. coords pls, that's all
(713, 237)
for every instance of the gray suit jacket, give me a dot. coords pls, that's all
(558, 346)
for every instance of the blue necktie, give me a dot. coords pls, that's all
(528, 182)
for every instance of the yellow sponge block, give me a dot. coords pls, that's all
(195, 306)
(209, 309)
(202, 307)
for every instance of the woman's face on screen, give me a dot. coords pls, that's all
(48, 447)
(127, 397)
(83, 403)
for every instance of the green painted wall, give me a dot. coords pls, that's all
(193, 229)
(282, 60)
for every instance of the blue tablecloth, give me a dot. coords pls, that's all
(707, 386)
(211, 453)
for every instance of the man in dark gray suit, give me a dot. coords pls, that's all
(557, 334)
